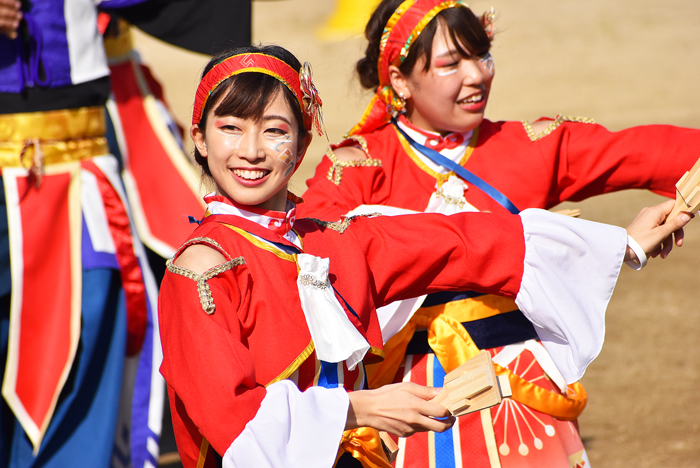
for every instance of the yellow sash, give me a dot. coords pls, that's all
(453, 346)
(61, 136)
(365, 445)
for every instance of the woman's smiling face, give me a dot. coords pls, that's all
(252, 161)
(451, 95)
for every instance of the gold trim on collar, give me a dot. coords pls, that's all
(440, 178)
(263, 245)
(560, 119)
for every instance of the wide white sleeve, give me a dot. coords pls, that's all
(570, 270)
(292, 429)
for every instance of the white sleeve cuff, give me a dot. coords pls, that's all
(639, 252)
(292, 429)
(570, 270)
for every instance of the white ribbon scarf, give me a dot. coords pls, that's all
(335, 338)
(449, 198)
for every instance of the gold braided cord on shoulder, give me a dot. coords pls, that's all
(205, 297)
(205, 240)
(335, 173)
(560, 119)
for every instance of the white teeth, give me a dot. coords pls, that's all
(249, 175)
(472, 99)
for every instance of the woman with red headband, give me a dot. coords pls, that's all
(423, 144)
(266, 321)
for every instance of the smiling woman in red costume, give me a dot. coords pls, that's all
(266, 321)
(423, 144)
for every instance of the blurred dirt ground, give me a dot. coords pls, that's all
(623, 63)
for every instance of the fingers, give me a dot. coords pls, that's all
(10, 16)
(422, 392)
(666, 246)
(679, 235)
(420, 423)
(436, 425)
(401, 409)
(679, 221)
(669, 228)
(675, 238)
(653, 236)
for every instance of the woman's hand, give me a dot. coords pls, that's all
(401, 409)
(10, 16)
(653, 236)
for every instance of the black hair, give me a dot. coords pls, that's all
(463, 26)
(247, 95)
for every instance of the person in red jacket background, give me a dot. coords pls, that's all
(423, 144)
(267, 320)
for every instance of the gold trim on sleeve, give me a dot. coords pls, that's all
(203, 448)
(295, 364)
(205, 297)
(342, 226)
(338, 227)
(553, 126)
(335, 173)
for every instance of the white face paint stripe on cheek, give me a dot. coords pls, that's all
(445, 73)
(231, 140)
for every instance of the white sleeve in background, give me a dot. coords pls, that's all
(571, 267)
(292, 429)
(392, 317)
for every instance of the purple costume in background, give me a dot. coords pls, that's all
(109, 410)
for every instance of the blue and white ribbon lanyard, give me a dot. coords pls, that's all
(471, 178)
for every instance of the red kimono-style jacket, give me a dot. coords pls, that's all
(570, 161)
(239, 327)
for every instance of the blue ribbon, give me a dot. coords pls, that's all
(471, 178)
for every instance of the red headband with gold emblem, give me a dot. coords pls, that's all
(400, 32)
(299, 82)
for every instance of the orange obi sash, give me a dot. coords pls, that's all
(453, 346)
(365, 445)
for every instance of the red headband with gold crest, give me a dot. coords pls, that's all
(299, 82)
(400, 32)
